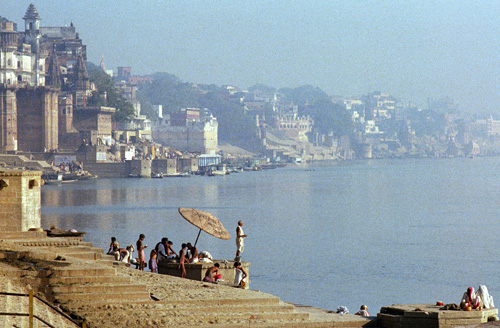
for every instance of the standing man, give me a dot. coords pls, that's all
(240, 244)
(182, 261)
(140, 250)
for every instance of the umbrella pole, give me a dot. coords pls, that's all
(197, 238)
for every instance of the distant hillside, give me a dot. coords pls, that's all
(173, 94)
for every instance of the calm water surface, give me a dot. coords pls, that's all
(374, 232)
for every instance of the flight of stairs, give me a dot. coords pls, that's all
(95, 288)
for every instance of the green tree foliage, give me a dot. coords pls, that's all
(170, 92)
(234, 125)
(113, 98)
(306, 94)
(328, 117)
(262, 88)
(173, 94)
(427, 122)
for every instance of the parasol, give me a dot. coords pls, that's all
(205, 221)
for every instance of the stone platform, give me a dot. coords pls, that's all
(430, 316)
(196, 271)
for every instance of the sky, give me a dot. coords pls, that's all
(412, 49)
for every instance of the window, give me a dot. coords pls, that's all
(33, 183)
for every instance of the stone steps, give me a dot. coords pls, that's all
(209, 307)
(84, 256)
(303, 324)
(99, 289)
(75, 249)
(170, 303)
(20, 304)
(74, 272)
(186, 317)
(23, 235)
(47, 242)
(107, 297)
(82, 280)
(99, 293)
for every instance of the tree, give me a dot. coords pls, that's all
(234, 125)
(328, 117)
(108, 94)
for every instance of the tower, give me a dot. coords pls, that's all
(33, 35)
(32, 21)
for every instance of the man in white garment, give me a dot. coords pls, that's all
(240, 244)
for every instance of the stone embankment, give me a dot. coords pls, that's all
(91, 287)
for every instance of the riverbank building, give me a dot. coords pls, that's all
(44, 87)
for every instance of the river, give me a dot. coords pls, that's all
(375, 232)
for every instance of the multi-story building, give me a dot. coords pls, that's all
(190, 129)
(38, 68)
(294, 126)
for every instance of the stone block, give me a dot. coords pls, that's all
(20, 200)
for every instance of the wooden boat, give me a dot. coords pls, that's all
(52, 179)
(54, 232)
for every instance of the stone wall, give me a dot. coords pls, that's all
(20, 203)
(133, 168)
(165, 166)
(37, 119)
(140, 168)
(8, 120)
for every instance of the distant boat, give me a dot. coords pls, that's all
(52, 179)
(177, 175)
(272, 166)
(218, 172)
(157, 175)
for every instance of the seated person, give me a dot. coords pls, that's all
(126, 254)
(161, 249)
(171, 254)
(192, 253)
(363, 311)
(114, 249)
(209, 275)
(470, 299)
(240, 275)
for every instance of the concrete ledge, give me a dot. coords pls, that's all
(430, 316)
(196, 271)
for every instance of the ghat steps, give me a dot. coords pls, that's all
(93, 287)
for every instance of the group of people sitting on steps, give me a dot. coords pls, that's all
(188, 254)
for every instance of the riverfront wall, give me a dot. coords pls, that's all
(142, 168)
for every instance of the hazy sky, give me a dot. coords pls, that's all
(412, 49)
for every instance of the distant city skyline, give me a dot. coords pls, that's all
(412, 49)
